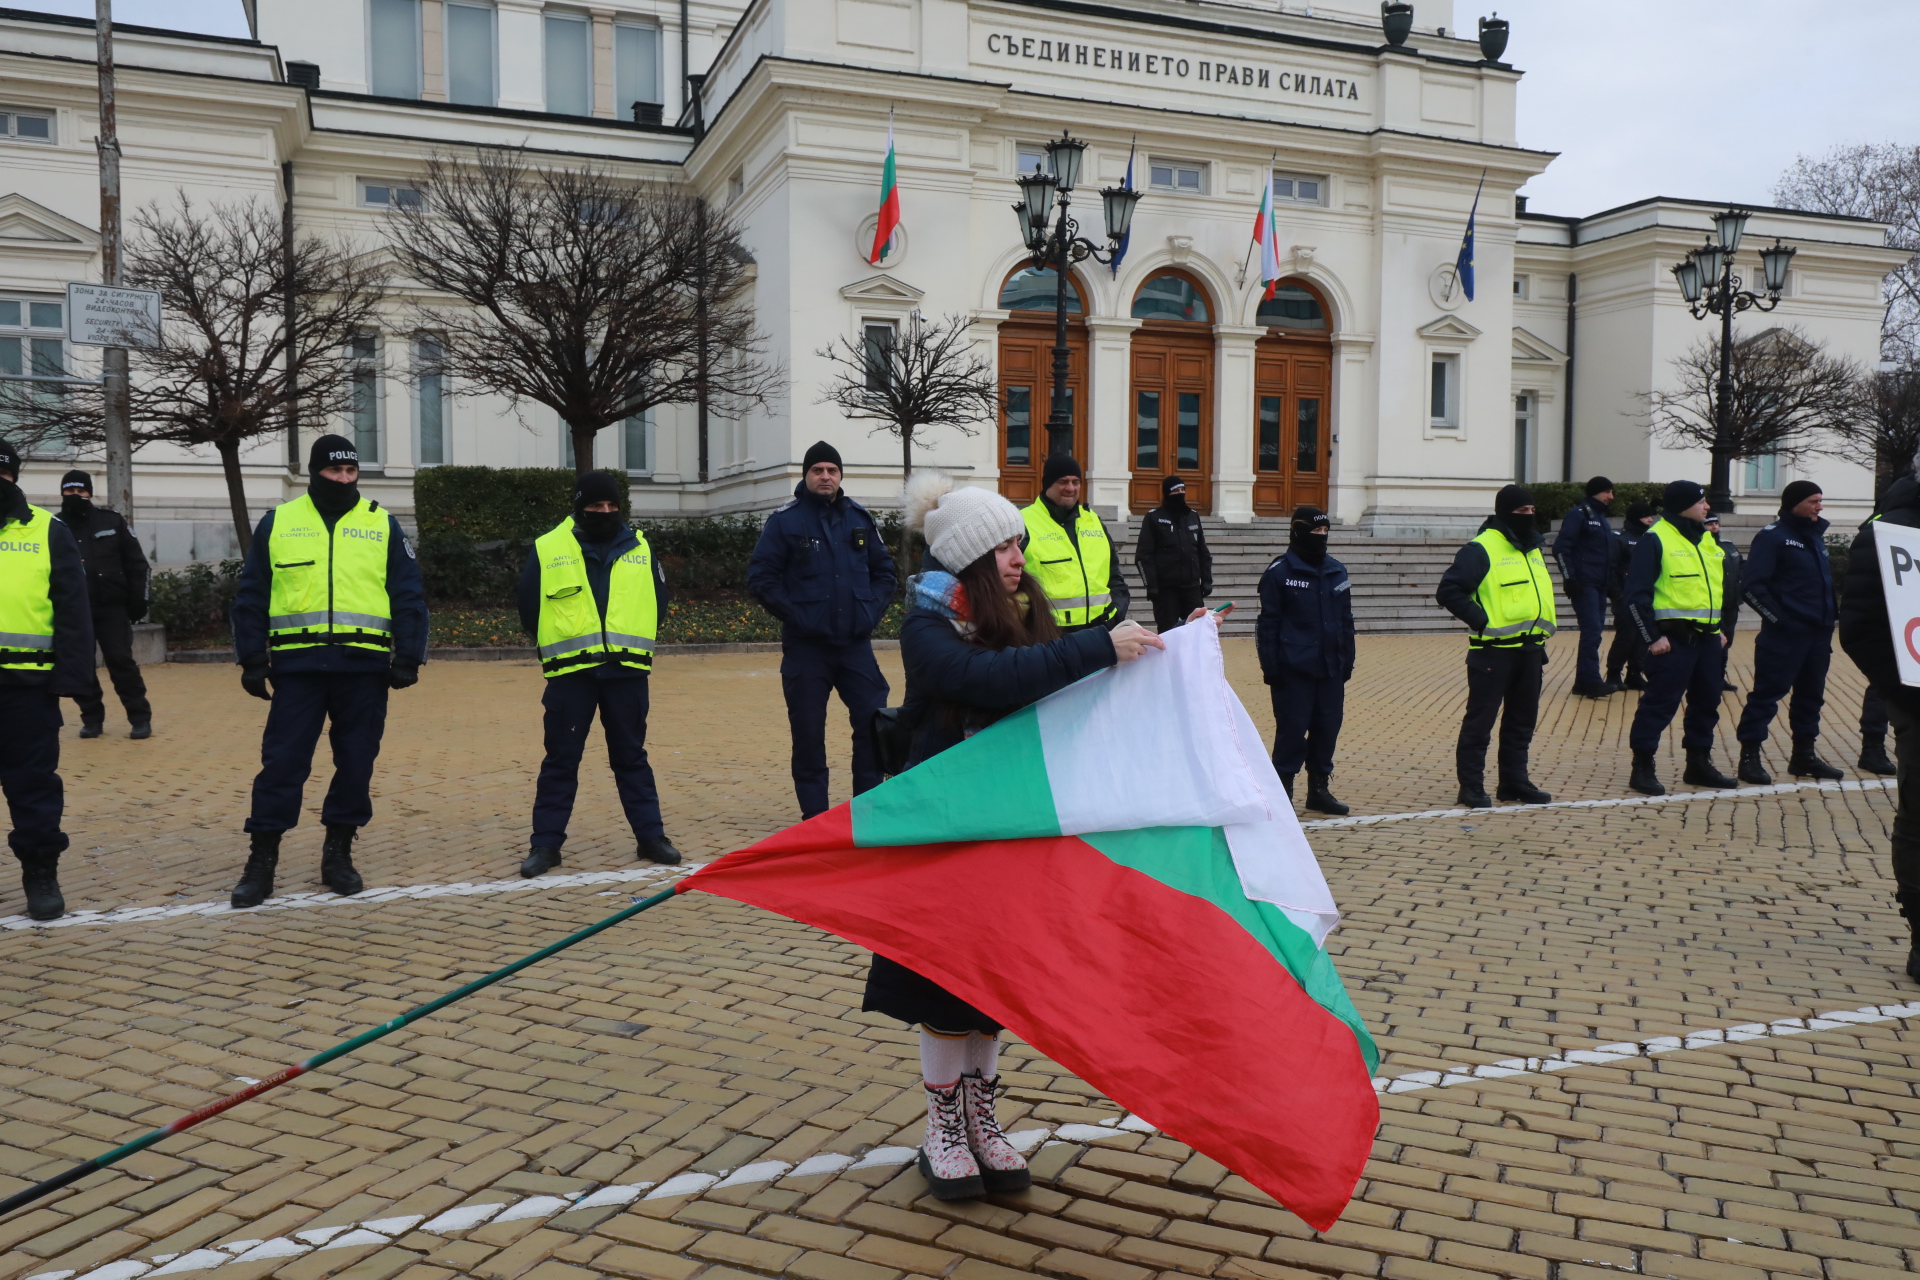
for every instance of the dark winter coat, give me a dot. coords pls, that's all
(822, 568)
(1623, 544)
(1786, 577)
(72, 674)
(1305, 625)
(1584, 547)
(1172, 551)
(1460, 584)
(599, 558)
(116, 567)
(1643, 574)
(1865, 632)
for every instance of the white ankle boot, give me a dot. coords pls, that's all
(945, 1160)
(1001, 1167)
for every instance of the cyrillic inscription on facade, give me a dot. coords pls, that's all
(1160, 64)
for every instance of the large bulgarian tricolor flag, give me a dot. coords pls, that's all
(1266, 234)
(889, 204)
(1115, 874)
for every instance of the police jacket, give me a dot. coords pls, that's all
(1623, 544)
(1172, 551)
(1068, 518)
(1584, 547)
(599, 557)
(405, 591)
(116, 567)
(1305, 626)
(822, 568)
(1643, 575)
(1786, 577)
(72, 674)
(1865, 633)
(1461, 582)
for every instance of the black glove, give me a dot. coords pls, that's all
(254, 681)
(403, 675)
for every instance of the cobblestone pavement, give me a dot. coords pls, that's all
(1665, 1039)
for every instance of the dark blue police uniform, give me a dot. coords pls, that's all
(1585, 549)
(1789, 583)
(1304, 636)
(822, 568)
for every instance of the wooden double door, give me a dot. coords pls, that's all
(1292, 429)
(1171, 432)
(1026, 403)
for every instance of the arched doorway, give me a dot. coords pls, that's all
(1292, 374)
(1172, 390)
(1026, 379)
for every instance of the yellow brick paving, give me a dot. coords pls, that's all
(706, 1035)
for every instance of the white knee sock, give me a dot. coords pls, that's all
(943, 1056)
(983, 1054)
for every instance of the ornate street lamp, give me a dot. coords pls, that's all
(1045, 197)
(1708, 285)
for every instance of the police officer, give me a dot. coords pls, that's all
(1873, 736)
(1867, 636)
(1584, 549)
(330, 615)
(46, 653)
(1683, 596)
(1789, 583)
(117, 590)
(1172, 557)
(1624, 655)
(822, 568)
(592, 596)
(1305, 640)
(1499, 586)
(1069, 553)
(1735, 567)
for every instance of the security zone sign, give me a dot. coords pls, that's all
(100, 315)
(1898, 546)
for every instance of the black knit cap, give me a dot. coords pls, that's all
(9, 459)
(1059, 464)
(596, 486)
(331, 451)
(1599, 484)
(821, 452)
(1680, 495)
(1640, 511)
(1307, 518)
(1168, 484)
(1796, 493)
(76, 477)
(1511, 499)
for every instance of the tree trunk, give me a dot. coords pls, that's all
(905, 565)
(236, 493)
(582, 449)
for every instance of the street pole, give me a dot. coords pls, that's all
(1059, 417)
(1721, 480)
(118, 412)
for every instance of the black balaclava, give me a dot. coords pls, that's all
(75, 509)
(11, 499)
(1521, 530)
(331, 497)
(1173, 493)
(1307, 534)
(1636, 513)
(597, 526)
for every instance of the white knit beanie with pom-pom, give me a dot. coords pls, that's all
(962, 524)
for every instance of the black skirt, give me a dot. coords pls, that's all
(899, 992)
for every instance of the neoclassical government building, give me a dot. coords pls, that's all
(1367, 383)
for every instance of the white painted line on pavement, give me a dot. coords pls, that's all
(1616, 802)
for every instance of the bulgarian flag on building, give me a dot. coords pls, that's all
(1141, 907)
(1267, 236)
(889, 204)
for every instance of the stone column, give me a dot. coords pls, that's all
(433, 50)
(1233, 420)
(603, 106)
(1353, 448)
(1110, 415)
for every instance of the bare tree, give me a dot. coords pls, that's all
(1881, 182)
(927, 376)
(229, 368)
(579, 290)
(1789, 398)
(1885, 433)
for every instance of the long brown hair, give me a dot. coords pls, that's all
(1002, 621)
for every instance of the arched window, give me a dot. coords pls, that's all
(1035, 289)
(1168, 296)
(1293, 306)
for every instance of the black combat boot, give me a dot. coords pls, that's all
(40, 877)
(92, 728)
(1473, 794)
(336, 861)
(1636, 681)
(1520, 789)
(141, 729)
(1806, 763)
(1645, 779)
(1320, 795)
(1702, 772)
(657, 849)
(540, 858)
(1751, 770)
(1873, 755)
(1286, 780)
(256, 882)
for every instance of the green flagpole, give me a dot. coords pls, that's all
(318, 1060)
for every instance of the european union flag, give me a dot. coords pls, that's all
(1463, 265)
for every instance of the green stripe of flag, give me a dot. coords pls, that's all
(1000, 793)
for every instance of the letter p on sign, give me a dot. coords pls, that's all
(1898, 547)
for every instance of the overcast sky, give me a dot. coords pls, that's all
(1707, 99)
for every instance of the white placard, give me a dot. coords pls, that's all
(100, 315)
(1898, 546)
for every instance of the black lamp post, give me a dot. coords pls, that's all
(1041, 194)
(1708, 284)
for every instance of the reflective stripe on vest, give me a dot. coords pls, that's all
(1076, 580)
(1517, 593)
(329, 587)
(1692, 578)
(26, 607)
(571, 633)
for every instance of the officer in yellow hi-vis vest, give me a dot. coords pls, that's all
(1069, 554)
(331, 613)
(1498, 585)
(592, 596)
(46, 654)
(1683, 595)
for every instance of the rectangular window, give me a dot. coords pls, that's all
(636, 67)
(430, 379)
(636, 437)
(394, 42)
(1019, 426)
(26, 126)
(33, 345)
(1306, 452)
(569, 65)
(470, 56)
(1146, 442)
(1523, 437)
(878, 338)
(1295, 188)
(387, 195)
(1029, 158)
(1763, 473)
(1443, 393)
(1522, 286)
(1269, 459)
(1184, 176)
(1188, 458)
(364, 412)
